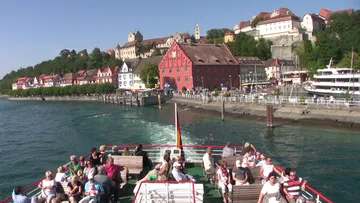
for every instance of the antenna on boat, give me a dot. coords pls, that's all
(176, 122)
(330, 63)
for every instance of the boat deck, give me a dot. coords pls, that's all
(211, 194)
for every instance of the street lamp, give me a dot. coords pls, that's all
(202, 82)
(230, 82)
(239, 82)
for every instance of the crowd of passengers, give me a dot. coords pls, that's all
(277, 187)
(98, 177)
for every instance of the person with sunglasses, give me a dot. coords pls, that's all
(266, 169)
(293, 187)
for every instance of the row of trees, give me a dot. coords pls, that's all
(88, 89)
(67, 62)
(337, 41)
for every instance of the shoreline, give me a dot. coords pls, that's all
(283, 115)
(57, 98)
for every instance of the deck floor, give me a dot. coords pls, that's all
(211, 195)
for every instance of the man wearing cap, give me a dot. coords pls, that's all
(239, 174)
(178, 175)
(93, 190)
(227, 151)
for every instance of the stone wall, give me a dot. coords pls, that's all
(54, 98)
(284, 46)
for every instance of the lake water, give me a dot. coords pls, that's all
(40, 136)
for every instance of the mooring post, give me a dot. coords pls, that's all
(159, 101)
(137, 100)
(124, 99)
(269, 115)
(222, 110)
(131, 100)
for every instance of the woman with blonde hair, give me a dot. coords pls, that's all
(103, 154)
(74, 190)
(48, 187)
(60, 175)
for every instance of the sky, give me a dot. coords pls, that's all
(32, 31)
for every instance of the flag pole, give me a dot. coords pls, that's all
(176, 127)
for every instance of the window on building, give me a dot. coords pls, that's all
(215, 69)
(197, 69)
(163, 71)
(171, 80)
(186, 78)
(229, 69)
(198, 78)
(178, 69)
(130, 83)
(124, 83)
(186, 69)
(222, 69)
(215, 78)
(130, 76)
(178, 78)
(207, 69)
(170, 70)
(279, 27)
(222, 78)
(124, 76)
(208, 78)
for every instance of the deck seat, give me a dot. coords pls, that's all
(246, 193)
(134, 164)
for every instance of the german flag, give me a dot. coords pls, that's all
(179, 143)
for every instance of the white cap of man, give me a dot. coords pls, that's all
(238, 163)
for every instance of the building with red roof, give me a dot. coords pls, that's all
(107, 75)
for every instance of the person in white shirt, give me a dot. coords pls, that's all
(48, 188)
(266, 169)
(209, 165)
(60, 175)
(262, 161)
(249, 159)
(227, 151)
(224, 181)
(270, 192)
(178, 175)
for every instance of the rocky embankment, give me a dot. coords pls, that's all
(282, 113)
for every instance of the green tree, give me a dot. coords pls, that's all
(150, 75)
(346, 61)
(96, 58)
(156, 52)
(193, 40)
(256, 21)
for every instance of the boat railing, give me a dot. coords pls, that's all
(310, 192)
(144, 193)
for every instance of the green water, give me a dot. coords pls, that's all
(40, 136)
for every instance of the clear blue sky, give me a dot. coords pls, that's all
(32, 31)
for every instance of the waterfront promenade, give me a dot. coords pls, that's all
(338, 111)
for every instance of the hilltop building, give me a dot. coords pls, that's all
(326, 14)
(229, 37)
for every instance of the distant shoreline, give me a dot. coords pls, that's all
(283, 115)
(3, 96)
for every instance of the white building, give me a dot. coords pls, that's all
(310, 23)
(125, 75)
(274, 27)
(274, 68)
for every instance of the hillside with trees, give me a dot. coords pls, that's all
(67, 61)
(246, 45)
(336, 41)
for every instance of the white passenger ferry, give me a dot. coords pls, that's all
(335, 82)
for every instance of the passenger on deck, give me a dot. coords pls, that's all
(286, 175)
(182, 162)
(227, 151)
(81, 177)
(266, 169)
(179, 175)
(126, 152)
(111, 168)
(19, 196)
(115, 150)
(209, 165)
(250, 159)
(93, 191)
(223, 177)
(60, 175)
(293, 187)
(103, 154)
(239, 174)
(74, 190)
(246, 148)
(82, 161)
(270, 191)
(74, 166)
(48, 188)
(109, 185)
(139, 152)
(95, 157)
(262, 160)
(90, 168)
(161, 171)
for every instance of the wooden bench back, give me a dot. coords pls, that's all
(133, 163)
(248, 193)
(254, 175)
(231, 160)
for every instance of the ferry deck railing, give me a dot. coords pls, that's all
(193, 154)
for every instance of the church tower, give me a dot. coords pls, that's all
(197, 32)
